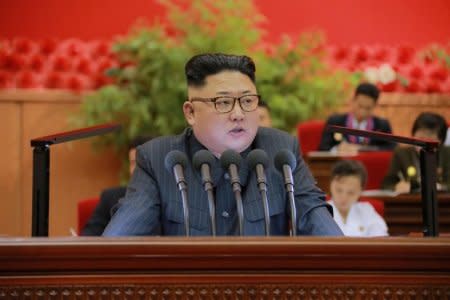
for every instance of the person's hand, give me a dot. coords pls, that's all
(403, 187)
(347, 148)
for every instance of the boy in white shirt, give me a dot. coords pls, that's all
(348, 179)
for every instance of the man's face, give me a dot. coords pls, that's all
(362, 107)
(345, 191)
(221, 131)
(425, 133)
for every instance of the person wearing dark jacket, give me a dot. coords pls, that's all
(109, 198)
(404, 172)
(360, 117)
(221, 110)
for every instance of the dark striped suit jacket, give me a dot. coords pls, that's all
(153, 206)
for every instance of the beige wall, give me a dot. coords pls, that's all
(76, 170)
(401, 109)
(10, 169)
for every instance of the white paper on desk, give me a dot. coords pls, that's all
(328, 154)
(382, 193)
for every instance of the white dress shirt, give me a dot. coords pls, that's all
(362, 220)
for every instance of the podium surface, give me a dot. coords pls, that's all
(225, 268)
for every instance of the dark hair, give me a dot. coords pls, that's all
(263, 103)
(350, 168)
(431, 121)
(139, 140)
(368, 89)
(202, 65)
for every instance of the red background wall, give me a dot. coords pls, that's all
(413, 22)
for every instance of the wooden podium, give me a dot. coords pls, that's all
(225, 268)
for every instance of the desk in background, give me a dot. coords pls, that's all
(376, 163)
(403, 212)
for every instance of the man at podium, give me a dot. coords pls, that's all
(221, 111)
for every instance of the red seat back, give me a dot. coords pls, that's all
(377, 164)
(309, 134)
(85, 209)
(378, 205)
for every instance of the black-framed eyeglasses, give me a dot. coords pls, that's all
(225, 104)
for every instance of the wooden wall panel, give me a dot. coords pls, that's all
(10, 164)
(402, 109)
(77, 171)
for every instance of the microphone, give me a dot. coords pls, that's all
(258, 160)
(175, 163)
(285, 162)
(231, 161)
(202, 161)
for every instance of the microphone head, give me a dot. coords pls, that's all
(203, 157)
(229, 157)
(173, 158)
(285, 157)
(257, 156)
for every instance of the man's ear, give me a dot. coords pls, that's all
(188, 110)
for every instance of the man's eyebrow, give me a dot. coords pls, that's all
(228, 93)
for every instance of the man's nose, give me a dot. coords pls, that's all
(237, 113)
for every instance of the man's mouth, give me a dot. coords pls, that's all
(237, 130)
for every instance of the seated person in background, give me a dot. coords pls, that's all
(265, 119)
(221, 111)
(110, 197)
(360, 117)
(355, 218)
(404, 172)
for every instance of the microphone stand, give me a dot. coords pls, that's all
(290, 193)
(212, 211)
(262, 186)
(235, 183)
(182, 187)
(41, 170)
(212, 206)
(428, 167)
(183, 191)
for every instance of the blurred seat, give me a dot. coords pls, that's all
(309, 134)
(377, 164)
(85, 209)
